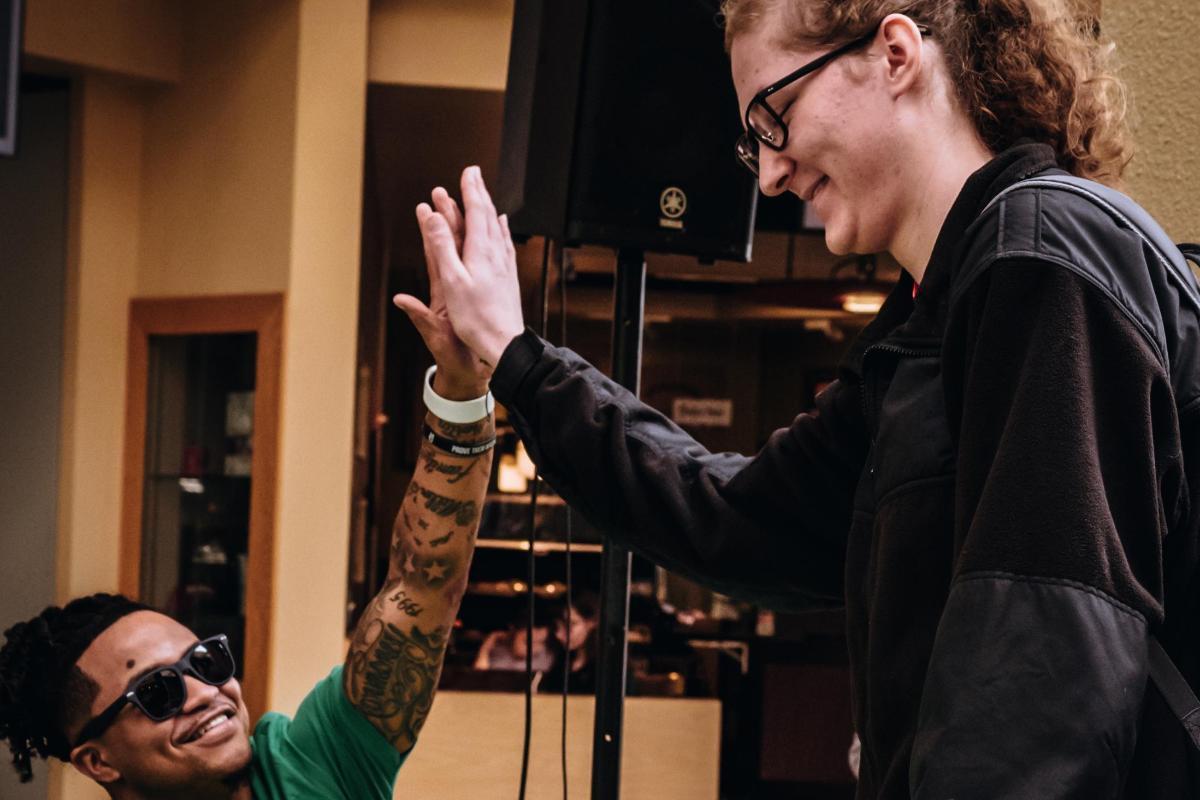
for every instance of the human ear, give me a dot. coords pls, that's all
(903, 53)
(91, 762)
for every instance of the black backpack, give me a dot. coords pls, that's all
(1174, 668)
(1176, 689)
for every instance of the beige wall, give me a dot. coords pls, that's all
(1156, 40)
(320, 336)
(138, 38)
(219, 154)
(471, 748)
(101, 278)
(460, 43)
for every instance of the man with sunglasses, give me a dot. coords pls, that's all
(141, 705)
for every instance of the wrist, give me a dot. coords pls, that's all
(460, 388)
(475, 408)
(496, 347)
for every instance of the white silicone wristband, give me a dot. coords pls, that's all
(460, 412)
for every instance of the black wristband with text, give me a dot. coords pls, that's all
(455, 448)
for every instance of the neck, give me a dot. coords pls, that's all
(235, 789)
(937, 177)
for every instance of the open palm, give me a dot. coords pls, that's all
(460, 371)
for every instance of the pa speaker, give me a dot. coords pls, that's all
(619, 124)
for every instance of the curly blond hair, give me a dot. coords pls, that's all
(1022, 69)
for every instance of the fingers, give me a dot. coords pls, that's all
(481, 214)
(445, 205)
(509, 247)
(440, 249)
(418, 312)
(431, 265)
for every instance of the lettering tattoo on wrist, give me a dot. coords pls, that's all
(453, 472)
(464, 512)
(460, 430)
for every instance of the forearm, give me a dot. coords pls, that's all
(398, 647)
(769, 529)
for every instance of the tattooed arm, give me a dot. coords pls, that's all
(396, 654)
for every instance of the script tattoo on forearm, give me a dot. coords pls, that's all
(463, 511)
(392, 676)
(453, 472)
(441, 540)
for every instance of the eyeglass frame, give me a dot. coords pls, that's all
(95, 727)
(750, 138)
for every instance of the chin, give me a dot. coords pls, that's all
(236, 758)
(837, 242)
(227, 761)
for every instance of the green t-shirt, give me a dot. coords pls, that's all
(328, 751)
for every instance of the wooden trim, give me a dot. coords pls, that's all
(260, 314)
(261, 546)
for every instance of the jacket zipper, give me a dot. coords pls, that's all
(868, 402)
(883, 347)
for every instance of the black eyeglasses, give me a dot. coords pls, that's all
(161, 693)
(764, 124)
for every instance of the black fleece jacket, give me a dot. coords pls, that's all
(987, 488)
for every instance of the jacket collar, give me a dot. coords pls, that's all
(1012, 166)
(924, 317)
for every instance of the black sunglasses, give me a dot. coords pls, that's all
(161, 693)
(764, 124)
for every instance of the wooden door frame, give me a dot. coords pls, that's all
(261, 314)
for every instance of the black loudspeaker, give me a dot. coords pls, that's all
(619, 124)
(10, 71)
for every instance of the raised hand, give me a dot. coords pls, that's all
(472, 259)
(461, 374)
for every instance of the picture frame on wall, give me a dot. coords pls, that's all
(10, 73)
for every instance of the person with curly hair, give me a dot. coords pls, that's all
(994, 487)
(133, 700)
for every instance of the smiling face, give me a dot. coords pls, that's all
(845, 145)
(207, 741)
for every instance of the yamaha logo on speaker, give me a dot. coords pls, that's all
(673, 203)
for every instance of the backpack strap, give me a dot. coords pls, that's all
(1175, 690)
(1191, 252)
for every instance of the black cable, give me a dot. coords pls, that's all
(532, 565)
(566, 678)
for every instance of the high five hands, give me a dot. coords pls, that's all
(474, 307)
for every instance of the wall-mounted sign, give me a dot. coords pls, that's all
(703, 412)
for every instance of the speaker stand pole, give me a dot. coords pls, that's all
(629, 300)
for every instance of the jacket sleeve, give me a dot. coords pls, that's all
(770, 529)
(1066, 431)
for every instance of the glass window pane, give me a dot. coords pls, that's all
(196, 514)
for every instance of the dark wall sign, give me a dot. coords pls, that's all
(10, 73)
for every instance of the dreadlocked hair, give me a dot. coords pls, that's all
(1022, 69)
(43, 693)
